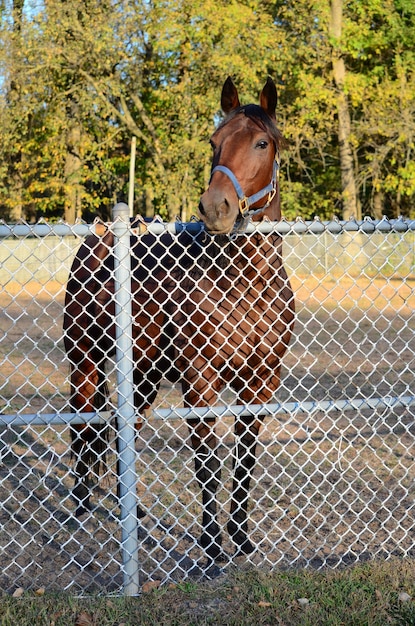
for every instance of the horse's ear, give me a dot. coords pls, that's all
(268, 98)
(229, 99)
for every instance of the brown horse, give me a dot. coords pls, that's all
(209, 310)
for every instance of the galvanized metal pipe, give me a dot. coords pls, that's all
(307, 407)
(283, 227)
(126, 415)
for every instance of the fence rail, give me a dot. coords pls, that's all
(347, 392)
(157, 227)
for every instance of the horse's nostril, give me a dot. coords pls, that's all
(201, 209)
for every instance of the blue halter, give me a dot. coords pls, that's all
(246, 202)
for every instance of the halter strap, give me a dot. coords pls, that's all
(246, 202)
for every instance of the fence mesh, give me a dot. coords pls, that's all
(333, 481)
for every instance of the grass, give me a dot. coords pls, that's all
(372, 594)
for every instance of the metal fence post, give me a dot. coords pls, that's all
(125, 399)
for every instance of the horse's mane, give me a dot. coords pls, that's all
(259, 117)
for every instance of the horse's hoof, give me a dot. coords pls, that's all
(245, 547)
(81, 510)
(83, 506)
(211, 542)
(81, 496)
(240, 537)
(140, 512)
(214, 552)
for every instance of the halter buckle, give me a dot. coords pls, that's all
(271, 196)
(243, 205)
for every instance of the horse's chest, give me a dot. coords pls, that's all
(227, 319)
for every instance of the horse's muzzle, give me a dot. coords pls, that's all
(218, 215)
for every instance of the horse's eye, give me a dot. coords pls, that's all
(262, 144)
(213, 145)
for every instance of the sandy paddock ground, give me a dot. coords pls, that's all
(328, 489)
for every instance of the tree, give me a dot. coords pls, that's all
(159, 81)
(14, 90)
(384, 56)
(349, 193)
(374, 67)
(79, 79)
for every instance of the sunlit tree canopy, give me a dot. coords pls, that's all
(80, 79)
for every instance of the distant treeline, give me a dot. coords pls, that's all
(80, 79)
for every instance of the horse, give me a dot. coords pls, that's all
(209, 311)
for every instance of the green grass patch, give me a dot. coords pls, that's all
(373, 594)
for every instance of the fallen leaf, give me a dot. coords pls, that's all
(84, 619)
(40, 591)
(263, 603)
(18, 592)
(404, 597)
(150, 585)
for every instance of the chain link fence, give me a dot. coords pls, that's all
(334, 480)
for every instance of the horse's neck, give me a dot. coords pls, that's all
(259, 256)
(272, 212)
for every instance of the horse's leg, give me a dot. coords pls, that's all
(246, 432)
(259, 391)
(199, 390)
(88, 441)
(208, 473)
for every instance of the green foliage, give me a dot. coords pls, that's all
(79, 79)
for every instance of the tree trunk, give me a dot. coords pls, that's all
(13, 97)
(73, 164)
(378, 205)
(349, 193)
(16, 211)
(149, 208)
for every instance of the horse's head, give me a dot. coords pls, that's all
(244, 178)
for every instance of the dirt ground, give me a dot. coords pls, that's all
(329, 488)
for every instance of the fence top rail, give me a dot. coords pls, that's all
(157, 227)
